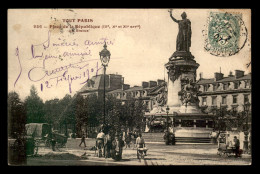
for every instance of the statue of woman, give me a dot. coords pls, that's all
(183, 42)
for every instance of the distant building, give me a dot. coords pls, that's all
(137, 92)
(231, 92)
(95, 85)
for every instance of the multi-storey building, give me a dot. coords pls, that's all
(95, 85)
(138, 92)
(231, 92)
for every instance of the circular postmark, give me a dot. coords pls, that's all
(225, 34)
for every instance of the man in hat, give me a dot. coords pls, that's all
(117, 145)
(237, 145)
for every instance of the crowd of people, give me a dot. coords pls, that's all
(111, 145)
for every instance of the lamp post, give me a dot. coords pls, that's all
(167, 125)
(167, 112)
(104, 57)
(246, 109)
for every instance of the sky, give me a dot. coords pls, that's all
(139, 49)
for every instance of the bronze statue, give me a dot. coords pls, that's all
(183, 42)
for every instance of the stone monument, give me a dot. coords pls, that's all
(187, 120)
(182, 93)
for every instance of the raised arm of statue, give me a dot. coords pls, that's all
(175, 20)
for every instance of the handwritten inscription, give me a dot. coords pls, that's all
(74, 71)
(20, 66)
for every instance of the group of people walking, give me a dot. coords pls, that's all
(111, 145)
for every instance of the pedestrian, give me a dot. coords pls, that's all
(128, 140)
(108, 145)
(166, 137)
(237, 146)
(51, 137)
(134, 138)
(140, 143)
(83, 140)
(117, 146)
(100, 142)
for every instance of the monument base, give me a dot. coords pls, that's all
(181, 54)
(188, 124)
(192, 108)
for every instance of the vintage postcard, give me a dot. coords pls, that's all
(97, 87)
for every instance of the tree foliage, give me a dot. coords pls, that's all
(34, 107)
(16, 114)
(225, 119)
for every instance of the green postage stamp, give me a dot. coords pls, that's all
(226, 34)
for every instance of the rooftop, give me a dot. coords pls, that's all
(225, 79)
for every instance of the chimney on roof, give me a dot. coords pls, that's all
(218, 76)
(239, 73)
(201, 75)
(159, 81)
(230, 74)
(145, 84)
(152, 84)
(125, 86)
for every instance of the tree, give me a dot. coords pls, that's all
(128, 115)
(225, 119)
(34, 107)
(16, 114)
(51, 111)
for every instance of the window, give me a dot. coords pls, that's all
(234, 98)
(214, 100)
(176, 122)
(210, 124)
(228, 85)
(247, 84)
(200, 123)
(214, 87)
(225, 86)
(204, 101)
(224, 99)
(146, 105)
(235, 85)
(246, 98)
(187, 123)
(205, 87)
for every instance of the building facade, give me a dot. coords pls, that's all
(231, 92)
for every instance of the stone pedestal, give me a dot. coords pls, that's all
(181, 71)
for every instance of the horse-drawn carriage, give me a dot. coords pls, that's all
(41, 135)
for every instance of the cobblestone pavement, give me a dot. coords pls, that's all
(158, 154)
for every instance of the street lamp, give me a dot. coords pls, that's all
(167, 112)
(167, 126)
(246, 109)
(104, 57)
